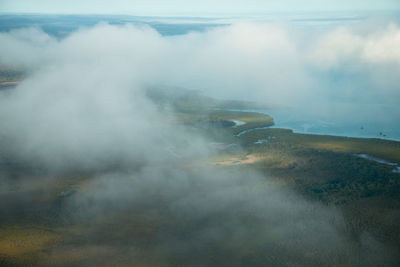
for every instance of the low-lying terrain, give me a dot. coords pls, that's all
(43, 222)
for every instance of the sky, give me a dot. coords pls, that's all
(189, 7)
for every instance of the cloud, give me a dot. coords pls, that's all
(243, 60)
(83, 107)
(342, 46)
(358, 72)
(24, 47)
(83, 92)
(84, 101)
(383, 47)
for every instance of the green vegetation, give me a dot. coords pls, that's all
(340, 176)
(210, 119)
(8, 74)
(186, 101)
(323, 169)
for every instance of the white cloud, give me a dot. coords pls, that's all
(383, 47)
(342, 46)
(99, 72)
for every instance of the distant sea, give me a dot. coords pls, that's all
(61, 26)
(300, 123)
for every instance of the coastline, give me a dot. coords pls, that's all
(284, 120)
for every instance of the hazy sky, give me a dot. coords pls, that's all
(154, 7)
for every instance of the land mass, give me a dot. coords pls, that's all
(324, 169)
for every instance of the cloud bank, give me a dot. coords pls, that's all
(266, 62)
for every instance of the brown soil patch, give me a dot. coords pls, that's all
(250, 159)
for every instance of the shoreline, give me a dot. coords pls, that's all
(307, 132)
(336, 135)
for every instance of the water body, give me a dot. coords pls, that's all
(250, 130)
(61, 26)
(301, 123)
(379, 160)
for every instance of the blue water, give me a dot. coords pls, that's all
(61, 25)
(303, 123)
